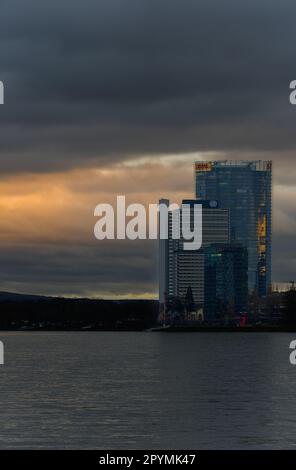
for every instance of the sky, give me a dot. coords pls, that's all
(111, 97)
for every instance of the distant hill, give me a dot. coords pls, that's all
(13, 297)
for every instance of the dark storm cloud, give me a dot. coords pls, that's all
(91, 83)
(95, 81)
(284, 262)
(109, 268)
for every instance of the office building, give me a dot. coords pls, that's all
(225, 281)
(243, 187)
(181, 269)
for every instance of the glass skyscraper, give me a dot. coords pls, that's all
(243, 187)
(226, 281)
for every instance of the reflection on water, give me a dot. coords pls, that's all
(147, 390)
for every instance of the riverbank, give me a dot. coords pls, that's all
(223, 329)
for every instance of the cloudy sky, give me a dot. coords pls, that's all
(107, 97)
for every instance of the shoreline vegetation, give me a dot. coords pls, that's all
(39, 313)
(20, 312)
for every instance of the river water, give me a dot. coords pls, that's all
(141, 390)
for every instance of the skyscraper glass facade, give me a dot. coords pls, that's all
(226, 281)
(243, 187)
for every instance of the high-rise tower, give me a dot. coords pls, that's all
(243, 187)
(181, 269)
